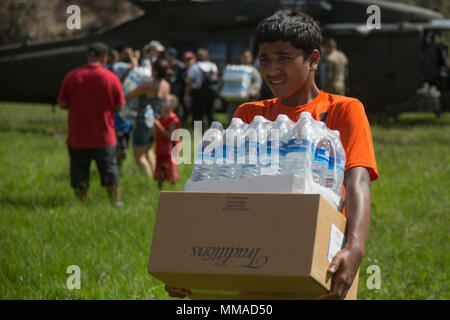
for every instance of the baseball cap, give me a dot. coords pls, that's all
(98, 49)
(172, 51)
(154, 44)
(189, 55)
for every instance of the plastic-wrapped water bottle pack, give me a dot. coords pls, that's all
(236, 82)
(306, 149)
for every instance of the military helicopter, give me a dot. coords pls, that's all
(386, 66)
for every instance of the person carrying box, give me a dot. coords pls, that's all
(288, 46)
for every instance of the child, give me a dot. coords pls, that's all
(166, 168)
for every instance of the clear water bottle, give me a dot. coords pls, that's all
(298, 147)
(321, 158)
(149, 116)
(276, 146)
(242, 154)
(255, 135)
(330, 177)
(339, 162)
(226, 159)
(204, 168)
(320, 163)
(263, 147)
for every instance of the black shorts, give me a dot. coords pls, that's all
(142, 135)
(122, 143)
(80, 162)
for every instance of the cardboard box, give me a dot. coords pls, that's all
(246, 245)
(266, 184)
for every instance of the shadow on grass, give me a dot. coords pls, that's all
(52, 132)
(52, 201)
(408, 139)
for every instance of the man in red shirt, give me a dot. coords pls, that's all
(92, 94)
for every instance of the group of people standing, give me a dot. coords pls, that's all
(190, 85)
(99, 130)
(174, 89)
(187, 85)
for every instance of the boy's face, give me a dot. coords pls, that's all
(284, 68)
(166, 106)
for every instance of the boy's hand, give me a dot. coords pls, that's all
(177, 292)
(344, 268)
(345, 264)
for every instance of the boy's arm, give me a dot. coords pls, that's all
(166, 133)
(159, 127)
(63, 97)
(357, 207)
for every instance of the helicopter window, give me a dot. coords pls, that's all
(235, 52)
(217, 50)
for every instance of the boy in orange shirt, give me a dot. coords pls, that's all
(288, 45)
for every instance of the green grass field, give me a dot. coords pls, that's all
(44, 230)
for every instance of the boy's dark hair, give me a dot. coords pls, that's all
(290, 25)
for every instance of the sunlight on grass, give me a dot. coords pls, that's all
(43, 229)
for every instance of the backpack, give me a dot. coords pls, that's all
(210, 83)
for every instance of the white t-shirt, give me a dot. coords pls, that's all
(120, 68)
(195, 73)
(147, 63)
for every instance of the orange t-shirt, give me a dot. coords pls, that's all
(344, 114)
(341, 113)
